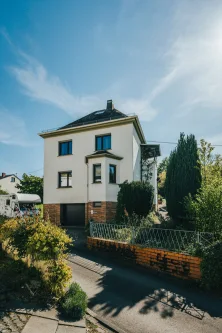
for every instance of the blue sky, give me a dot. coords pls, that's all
(60, 60)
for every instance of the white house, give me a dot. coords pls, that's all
(85, 161)
(8, 183)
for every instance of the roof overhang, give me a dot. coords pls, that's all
(88, 127)
(150, 150)
(112, 156)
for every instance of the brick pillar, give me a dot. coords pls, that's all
(104, 213)
(52, 211)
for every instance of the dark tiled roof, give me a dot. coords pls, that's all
(9, 176)
(107, 114)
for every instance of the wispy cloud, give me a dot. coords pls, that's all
(12, 129)
(195, 59)
(41, 86)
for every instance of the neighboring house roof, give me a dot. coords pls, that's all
(103, 153)
(12, 175)
(98, 119)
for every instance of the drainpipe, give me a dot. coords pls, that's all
(87, 194)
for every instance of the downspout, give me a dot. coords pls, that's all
(87, 192)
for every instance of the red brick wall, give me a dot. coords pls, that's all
(104, 213)
(177, 264)
(52, 211)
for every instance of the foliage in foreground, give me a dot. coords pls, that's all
(44, 244)
(135, 197)
(211, 266)
(183, 176)
(205, 208)
(74, 303)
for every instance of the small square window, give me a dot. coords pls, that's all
(112, 174)
(97, 204)
(96, 173)
(12, 179)
(8, 202)
(65, 179)
(103, 142)
(65, 148)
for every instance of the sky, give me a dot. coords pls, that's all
(60, 60)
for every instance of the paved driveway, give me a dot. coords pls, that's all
(140, 302)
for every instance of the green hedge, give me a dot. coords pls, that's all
(211, 266)
(134, 198)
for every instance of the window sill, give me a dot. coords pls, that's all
(102, 150)
(64, 187)
(113, 184)
(97, 183)
(64, 155)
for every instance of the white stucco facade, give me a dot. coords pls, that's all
(7, 185)
(83, 144)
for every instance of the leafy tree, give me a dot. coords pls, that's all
(2, 192)
(31, 184)
(162, 166)
(205, 208)
(183, 176)
(134, 198)
(161, 183)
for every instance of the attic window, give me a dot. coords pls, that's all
(12, 179)
(100, 112)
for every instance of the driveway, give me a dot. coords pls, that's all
(139, 301)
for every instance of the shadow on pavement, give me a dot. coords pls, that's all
(126, 285)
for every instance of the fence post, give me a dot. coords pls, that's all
(198, 237)
(91, 229)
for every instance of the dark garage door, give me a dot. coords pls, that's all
(73, 214)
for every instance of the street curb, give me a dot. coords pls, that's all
(104, 322)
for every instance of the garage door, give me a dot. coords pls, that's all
(73, 214)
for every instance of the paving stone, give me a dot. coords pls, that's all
(50, 313)
(43, 325)
(79, 323)
(70, 329)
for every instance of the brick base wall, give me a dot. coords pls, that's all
(177, 264)
(52, 211)
(104, 213)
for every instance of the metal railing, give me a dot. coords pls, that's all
(168, 239)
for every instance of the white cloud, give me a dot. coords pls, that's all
(141, 107)
(12, 129)
(195, 59)
(41, 86)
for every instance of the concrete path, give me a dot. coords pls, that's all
(46, 321)
(138, 301)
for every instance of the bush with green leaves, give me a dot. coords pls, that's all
(211, 266)
(42, 242)
(135, 197)
(74, 303)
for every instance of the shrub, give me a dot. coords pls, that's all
(211, 266)
(57, 276)
(45, 244)
(135, 197)
(74, 302)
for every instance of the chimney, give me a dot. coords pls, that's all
(110, 105)
(3, 174)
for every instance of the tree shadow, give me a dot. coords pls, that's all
(126, 285)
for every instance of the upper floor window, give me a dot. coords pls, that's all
(65, 148)
(96, 173)
(112, 174)
(12, 179)
(103, 142)
(65, 179)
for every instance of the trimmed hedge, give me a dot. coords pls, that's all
(74, 303)
(134, 198)
(211, 266)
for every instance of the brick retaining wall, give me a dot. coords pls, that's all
(177, 264)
